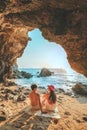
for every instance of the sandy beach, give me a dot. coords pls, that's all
(73, 112)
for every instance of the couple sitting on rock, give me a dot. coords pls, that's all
(45, 103)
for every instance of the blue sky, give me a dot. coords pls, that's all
(41, 53)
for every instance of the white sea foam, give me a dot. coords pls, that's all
(59, 80)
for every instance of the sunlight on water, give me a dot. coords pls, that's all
(59, 80)
(40, 53)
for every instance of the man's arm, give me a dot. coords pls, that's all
(40, 103)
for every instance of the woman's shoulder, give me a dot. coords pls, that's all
(45, 95)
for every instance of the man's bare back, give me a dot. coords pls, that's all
(35, 99)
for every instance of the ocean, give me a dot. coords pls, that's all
(58, 79)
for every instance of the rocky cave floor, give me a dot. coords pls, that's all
(14, 100)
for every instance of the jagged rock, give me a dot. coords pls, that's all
(6, 91)
(15, 99)
(2, 105)
(81, 89)
(2, 116)
(44, 72)
(69, 93)
(26, 75)
(3, 5)
(25, 1)
(20, 74)
(21, 97)
(85, 119)
(40, 128)
(9, 83)
(26, 92)
(60, 90)
(2, 66)
(41, 87)
(67, 113)
(10, 96)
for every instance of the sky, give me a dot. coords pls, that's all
(40, 53)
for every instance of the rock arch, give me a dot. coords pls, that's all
(63, 22)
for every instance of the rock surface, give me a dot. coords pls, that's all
(2, 116)
(13, 117)
(13, 93)
(80, 89)
(63, 22)
(44, 73)
(21, 74)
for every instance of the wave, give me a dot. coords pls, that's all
(59, 80)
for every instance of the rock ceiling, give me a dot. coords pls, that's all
(61, 21)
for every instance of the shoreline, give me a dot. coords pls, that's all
(73, 111)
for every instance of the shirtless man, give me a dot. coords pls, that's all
(35, 98)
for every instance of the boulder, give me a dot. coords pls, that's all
(25, 1)
(26, 75)
(2, 116)
(81, 89)
(21, 97)
(68, 93)
(45, 72)
(60, 90)
(20, 74)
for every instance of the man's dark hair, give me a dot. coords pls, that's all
(33, 86)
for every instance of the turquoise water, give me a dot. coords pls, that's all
(59, 80)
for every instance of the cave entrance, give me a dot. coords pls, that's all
(40, 53)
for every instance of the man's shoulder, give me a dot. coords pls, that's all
(34, 94)
(38, 94)
(30, 93)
